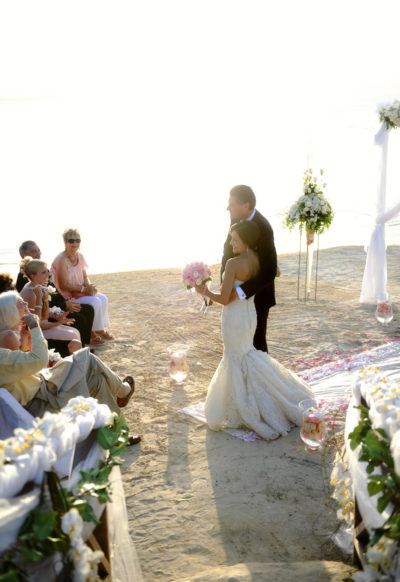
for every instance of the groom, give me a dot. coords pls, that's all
(242, 206)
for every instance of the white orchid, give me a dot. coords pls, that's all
(85, 560)
(72, 525)
(54, 356)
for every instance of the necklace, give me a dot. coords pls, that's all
(73, 260)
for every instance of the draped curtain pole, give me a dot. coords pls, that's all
(375, 272)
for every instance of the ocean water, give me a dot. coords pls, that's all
(147, 120)
(347, 229)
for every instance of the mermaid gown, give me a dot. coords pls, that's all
(250, 389)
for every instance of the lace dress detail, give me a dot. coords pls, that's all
(250, 389)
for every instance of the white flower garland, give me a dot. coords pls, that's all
(84, 559)
(383, 399)
(25, 456)
(343, 491)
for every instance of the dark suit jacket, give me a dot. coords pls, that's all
(263, 285)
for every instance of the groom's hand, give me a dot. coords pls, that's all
(233, 295)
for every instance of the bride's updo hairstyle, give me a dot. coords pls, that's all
(248, 232)
(31, 266)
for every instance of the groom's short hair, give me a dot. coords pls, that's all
(244, 194)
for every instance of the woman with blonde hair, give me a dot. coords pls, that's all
(35, 293)
(70, 276)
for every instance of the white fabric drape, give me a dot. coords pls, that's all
(375, 272)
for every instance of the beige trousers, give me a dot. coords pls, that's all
(80, 374)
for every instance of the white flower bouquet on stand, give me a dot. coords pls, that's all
(312, 211)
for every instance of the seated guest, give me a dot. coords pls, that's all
(27, 249)
(35, 293)
(38, 388)
(6, 282)
(82, 315)
(10, 324)
(70, 275)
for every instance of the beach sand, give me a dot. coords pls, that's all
(205, 505)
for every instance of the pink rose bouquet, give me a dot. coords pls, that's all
(197, 274)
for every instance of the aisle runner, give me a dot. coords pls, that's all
(330, 382)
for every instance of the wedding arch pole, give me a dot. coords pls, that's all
(375, 273)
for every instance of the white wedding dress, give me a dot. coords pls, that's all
(250, 389)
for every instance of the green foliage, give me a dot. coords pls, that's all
(41, 534)
(375, 451)
(11, 575)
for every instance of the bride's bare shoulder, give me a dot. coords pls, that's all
(235, 263)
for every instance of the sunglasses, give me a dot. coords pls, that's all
(72, 240)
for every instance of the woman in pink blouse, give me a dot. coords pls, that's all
(70, 276)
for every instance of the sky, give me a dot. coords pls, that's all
(131, 120)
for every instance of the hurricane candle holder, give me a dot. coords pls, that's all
(384, 312)
(313, 428)
(178, 367)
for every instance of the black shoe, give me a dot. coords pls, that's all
(134, 440)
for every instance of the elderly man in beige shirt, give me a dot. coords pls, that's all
(38, 388)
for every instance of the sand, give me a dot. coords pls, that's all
(205, 505)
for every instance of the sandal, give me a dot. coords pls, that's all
(96, 341)
(106, 335)
(123, 401)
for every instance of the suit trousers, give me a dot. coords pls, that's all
(260, 335)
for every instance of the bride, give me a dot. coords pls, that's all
(249, 389)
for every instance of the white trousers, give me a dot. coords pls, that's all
(99, 303)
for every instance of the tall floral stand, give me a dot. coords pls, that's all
(310, 239)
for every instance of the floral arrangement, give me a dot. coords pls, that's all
(55, 524)
(377, 438)
(55, 310)
(390, 115)
(195, 274)
(312, 209)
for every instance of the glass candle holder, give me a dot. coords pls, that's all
(178, 367)
(384, 312)
(313, 427)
